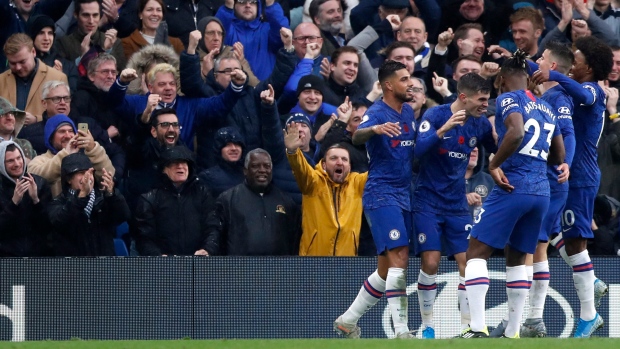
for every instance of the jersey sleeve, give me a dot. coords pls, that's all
(427, 133)
(507, 104)
(370, 120)
(564, 112)
(582, 93)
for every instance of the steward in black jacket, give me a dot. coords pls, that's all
(254, 218)
(172, 218)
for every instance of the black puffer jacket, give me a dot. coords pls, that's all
(248, 223)
(75, 234)
(245, 115)
(24, 228)
(173, 220)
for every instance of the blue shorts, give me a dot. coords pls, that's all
(552, 223)
(513, 219)
(390, 227)
(432, 228)
(578, 213)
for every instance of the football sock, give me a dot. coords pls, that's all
(538, 291)
(463, 304)
(517, 288)
(396, 293)
(558, 243)
(477, 285)
(368, 296)
(583, 277)
(427, 291)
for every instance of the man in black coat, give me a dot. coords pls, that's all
(86, 214)
(91, 97)
(24, 200)
(172, 218)
(254, 218)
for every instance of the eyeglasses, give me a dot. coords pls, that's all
(7, 114)
(243, 2)
(214, 33)
(310, 38)
(226, 71)
(107, 71)
(168, 124)
(417, 90)
(57, 100)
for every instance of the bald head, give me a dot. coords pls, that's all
(413, 31)
(304, 34)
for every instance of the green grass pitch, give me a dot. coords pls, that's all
(543, 343)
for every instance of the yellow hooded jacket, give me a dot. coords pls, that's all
(331, 212)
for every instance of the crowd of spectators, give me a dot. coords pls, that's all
(224, 127)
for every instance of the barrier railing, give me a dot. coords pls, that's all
(219, 297)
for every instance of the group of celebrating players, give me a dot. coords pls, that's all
(540, 142)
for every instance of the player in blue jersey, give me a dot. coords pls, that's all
(446, 136)
(593, 62)
(512, 215)
(559, 57)
(388, 130)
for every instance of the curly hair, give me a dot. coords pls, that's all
(598, 56)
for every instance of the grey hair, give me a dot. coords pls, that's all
(227, 57)
(246, 163)
(421, 82)
(52, 84)
(96, 62)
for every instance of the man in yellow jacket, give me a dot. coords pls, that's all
(332, 197)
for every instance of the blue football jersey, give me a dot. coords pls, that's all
(390, 159)
(588, 122)
(440, 186)
(526, 168)
(562, 105)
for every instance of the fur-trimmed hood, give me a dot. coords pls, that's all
(157, 53)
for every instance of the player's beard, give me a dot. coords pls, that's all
(403, 97)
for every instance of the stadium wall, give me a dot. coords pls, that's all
(219, 297)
